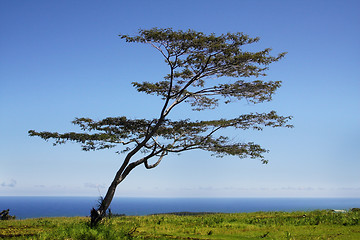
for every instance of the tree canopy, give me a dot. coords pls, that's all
(204, 71)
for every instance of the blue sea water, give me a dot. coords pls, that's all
(35, 207)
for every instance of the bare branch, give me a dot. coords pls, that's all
(158, 48)
(157, 162)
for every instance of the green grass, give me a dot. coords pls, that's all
(260, 225)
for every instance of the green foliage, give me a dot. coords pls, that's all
(4, 215)
(106, 230)
(268, 225)
(204, 69)
(195, 59)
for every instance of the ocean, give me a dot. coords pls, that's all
(36, 207)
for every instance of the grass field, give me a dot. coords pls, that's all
(260, 225)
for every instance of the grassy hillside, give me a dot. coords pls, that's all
(259, 225)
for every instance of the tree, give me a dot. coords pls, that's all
(204, 71)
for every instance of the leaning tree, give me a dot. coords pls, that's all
(204, 71)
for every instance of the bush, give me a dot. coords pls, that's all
(4, 215)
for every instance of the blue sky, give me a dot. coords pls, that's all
(63, 59)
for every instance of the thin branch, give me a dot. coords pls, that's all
(186, 148)
(195, 145)
(132, 165)
(157, 162)
(123, 142)
(149, 127)
(196, 77)
(158, 48)
(176, 102)
(155, 141)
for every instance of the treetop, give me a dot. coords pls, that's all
(196, 60)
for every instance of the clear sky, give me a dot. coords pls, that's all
(63, 59)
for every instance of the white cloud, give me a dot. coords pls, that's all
(11, 184)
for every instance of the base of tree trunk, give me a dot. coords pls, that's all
(95, 217)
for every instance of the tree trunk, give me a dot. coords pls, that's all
(98, 215)
(125, 169)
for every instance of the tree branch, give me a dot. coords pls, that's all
(157, 162)
(196, 77)
(158, 48)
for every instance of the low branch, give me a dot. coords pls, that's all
(157, 162)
